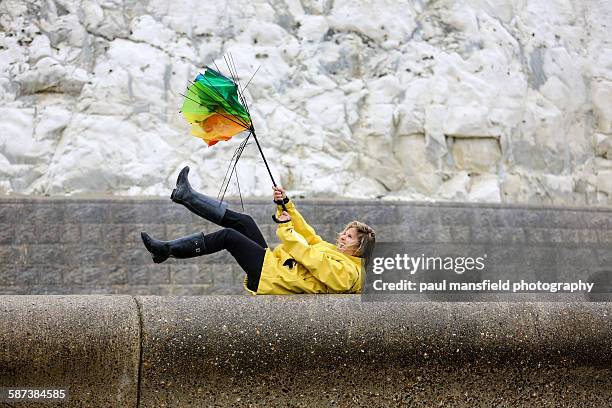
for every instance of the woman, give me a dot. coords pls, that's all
(303, 263)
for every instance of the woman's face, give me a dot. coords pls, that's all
(348, 241)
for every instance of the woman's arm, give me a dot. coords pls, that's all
(300, 225)
(332, 273)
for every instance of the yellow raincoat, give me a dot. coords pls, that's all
(304, 263)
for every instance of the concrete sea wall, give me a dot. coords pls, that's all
(149, 351)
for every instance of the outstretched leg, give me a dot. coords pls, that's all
(214, 210)
(249, 254)
(185, 247)
(199, 204)
(245, 224)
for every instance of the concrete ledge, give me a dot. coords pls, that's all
(89, 344)
(307, 351)
(327, 350)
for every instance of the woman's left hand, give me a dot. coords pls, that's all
(284, 217)
(279, 193)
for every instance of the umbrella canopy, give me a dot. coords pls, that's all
(217, 110)
(213, 108)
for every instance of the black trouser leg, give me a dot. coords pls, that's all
(213, 210)
(248, 253)
(244, 224)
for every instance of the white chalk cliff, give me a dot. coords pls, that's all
(474, 100)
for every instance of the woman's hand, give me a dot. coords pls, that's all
(284, 217)
(279, 193)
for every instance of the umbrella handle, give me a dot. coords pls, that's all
(276, 220)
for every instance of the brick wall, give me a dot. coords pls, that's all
(84, 246)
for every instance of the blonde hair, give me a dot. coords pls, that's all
(366, 237)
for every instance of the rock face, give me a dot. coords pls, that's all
(501, 101)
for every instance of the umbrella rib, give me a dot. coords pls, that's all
(253, 76)
(228, 168)
(225, 177)
(237, 155)
(234, 168)
(216, 66)
(231, 57)
(244, 102)
(239, 192)
(233, 65)
(240, 93)
(233, 74)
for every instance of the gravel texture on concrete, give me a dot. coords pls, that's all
(310, 351)
(89, 345)
(339, 351)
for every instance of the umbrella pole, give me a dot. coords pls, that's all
(252, 129)
(262, 156)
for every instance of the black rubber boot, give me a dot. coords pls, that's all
(199, 204)
(186, 247)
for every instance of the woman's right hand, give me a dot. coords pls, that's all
(284, 217)
(279, 193)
